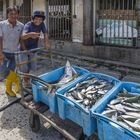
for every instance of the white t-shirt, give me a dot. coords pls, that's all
(10, 35)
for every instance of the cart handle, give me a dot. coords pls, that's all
(41, 49)
(35, 78)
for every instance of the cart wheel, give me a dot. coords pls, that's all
(34, 122)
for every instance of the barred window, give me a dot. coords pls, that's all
(116, 22)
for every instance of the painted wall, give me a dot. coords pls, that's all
(39, 5)
(77, 27)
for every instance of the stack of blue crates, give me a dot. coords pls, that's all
(90, 120)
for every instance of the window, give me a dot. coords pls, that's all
(116, 23)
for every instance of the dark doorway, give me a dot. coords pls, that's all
(25, 11)
(59, 19)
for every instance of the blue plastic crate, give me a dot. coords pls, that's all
(41, 95)
(107, 128)
(72, 110)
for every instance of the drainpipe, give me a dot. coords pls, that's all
(88, 22)
(138, 21)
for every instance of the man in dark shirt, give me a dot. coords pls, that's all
(30, 35)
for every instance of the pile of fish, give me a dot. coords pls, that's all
(70, 74)
(89, 91)
(125, 109)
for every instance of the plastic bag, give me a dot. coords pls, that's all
(68, 74)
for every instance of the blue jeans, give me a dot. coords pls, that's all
(31, 66)
(7, 65)
(10, 57)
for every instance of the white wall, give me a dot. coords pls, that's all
(39, 5)
(77, 31)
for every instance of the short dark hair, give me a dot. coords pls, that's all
(12, 8)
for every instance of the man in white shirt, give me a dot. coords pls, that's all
(10, 32)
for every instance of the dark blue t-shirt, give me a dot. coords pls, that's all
(31, 27)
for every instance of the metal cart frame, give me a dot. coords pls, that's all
(36, 113)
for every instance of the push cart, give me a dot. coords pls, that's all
(38, 109)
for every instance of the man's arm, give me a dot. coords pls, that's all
(1, 38)
(1, 46)
(34, 35)
(26, 34)
(1, 49)
(22, 44)
(46, 41)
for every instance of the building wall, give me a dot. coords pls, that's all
(39, 5)
(77, 27)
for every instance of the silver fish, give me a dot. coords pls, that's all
(131, 109)
(86, 102)
(108, 113)
(134, 99)
(101, 92)
(136, 105)
(135, 127)
(115, 101)
(133, 114)
(127, 117)
(137, 121)
(117, 107)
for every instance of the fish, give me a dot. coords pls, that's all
(100, 86)
(129, 105)
(83, 90)
(125, 93)
(135, 114)
(89, 97)
(124, 125)
(90, 88)
(86, 102)
(136, 105)
(109, 112)
(127, 117)
(115, 101)
(137, 121)
(101, 92)
(134, 99)
(77, 95)
(80, 96)
(79, 101)
(117, 107)
(131, 109)
(87, 92)
(91, 92)
(135, 126)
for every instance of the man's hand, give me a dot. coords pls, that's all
(34, 35)
(1, 57)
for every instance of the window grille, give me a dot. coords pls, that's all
(116, 23)
(59, 19)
